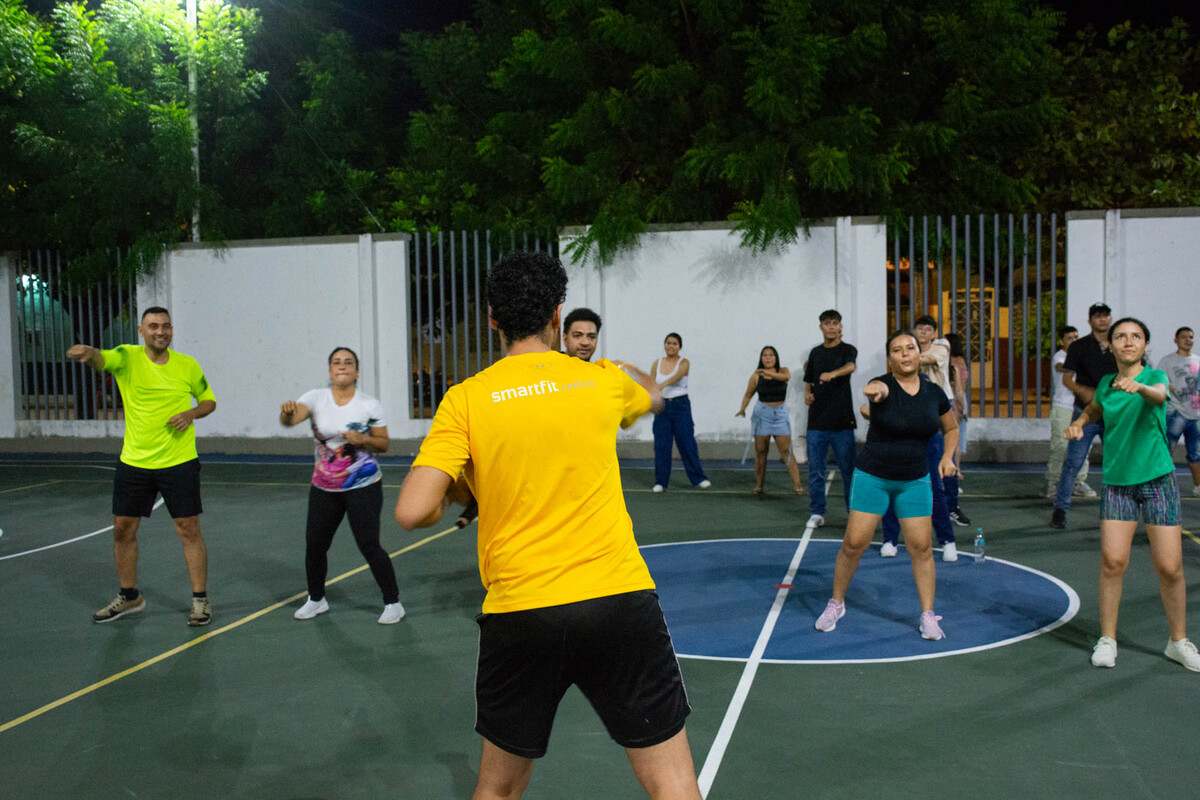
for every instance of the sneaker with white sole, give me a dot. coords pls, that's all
(950, 551)
(658, 488)
(120, 607)
(1104, 654)
(201, 613)
(704, 484)
(929, 627)
(959, 518)
(311, 608)
(1085, 491)
(830, 616)
(1196, 490)
(1183, 652)
(815, 521)
(888, 550)
(392, 613)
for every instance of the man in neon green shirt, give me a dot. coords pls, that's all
(158, 455)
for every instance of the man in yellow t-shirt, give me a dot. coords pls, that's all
(158, 455)
(569, 598)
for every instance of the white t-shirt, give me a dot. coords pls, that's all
(939, 373)
(1063, 396)
(1184, 372)
(340, 466)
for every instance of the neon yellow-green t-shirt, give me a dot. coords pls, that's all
(152, 394)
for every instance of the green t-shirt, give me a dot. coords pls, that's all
(1135, 432)
(152, 394)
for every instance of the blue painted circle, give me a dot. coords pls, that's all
(717, 596)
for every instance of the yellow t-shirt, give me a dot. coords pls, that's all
(536, 435)
(152, 394)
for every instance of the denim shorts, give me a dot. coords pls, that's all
(1179, 425)
(871, 494)
(770, 420)
(1155, 502)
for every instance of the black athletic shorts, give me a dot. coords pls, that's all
(616, 649)
(135, 490)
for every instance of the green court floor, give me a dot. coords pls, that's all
(261, 706)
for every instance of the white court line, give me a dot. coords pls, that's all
(68, 541)
(64, 464)
(717, 752)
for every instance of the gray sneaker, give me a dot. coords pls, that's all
(201, 613)
(119, 607)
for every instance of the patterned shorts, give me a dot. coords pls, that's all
(1155, 502)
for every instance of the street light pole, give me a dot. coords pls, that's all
(193, 31)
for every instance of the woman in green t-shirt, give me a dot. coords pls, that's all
(1139, 482)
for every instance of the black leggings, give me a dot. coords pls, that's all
(325, 512)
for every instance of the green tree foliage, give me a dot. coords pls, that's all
(1131, 134)
(97, 139)
(770, 113)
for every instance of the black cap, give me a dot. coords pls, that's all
(1098, 308)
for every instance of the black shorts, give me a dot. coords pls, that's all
(135, 490)
(616, 649)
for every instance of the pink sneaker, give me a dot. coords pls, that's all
(830, 616)
(929, 626)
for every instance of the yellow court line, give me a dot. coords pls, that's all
(30, 486)
(37, 712)
(1191, 536)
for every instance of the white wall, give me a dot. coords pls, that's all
(9, 364)
(261, 317)
(727, 302)
(1149, 262)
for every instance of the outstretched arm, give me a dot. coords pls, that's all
(86, 354)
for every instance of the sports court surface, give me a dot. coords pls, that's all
(261, 706)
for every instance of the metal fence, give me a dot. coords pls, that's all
(449, 337)
(999, 281)
(52, 314)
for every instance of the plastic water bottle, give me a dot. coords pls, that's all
(980, 546)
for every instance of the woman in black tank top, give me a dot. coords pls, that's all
(770, 418)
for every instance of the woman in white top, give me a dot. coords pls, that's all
(350, 431)
(674, 422)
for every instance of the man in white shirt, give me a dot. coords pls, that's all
(1183, 411)
(1062, 411)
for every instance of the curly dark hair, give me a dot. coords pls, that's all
(523, 289)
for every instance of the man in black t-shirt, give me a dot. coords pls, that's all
(830, 411)
(1089, 359)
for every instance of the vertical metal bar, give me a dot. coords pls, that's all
(478, 309)
(441, 309)
(896, 308)
(1025, 315)
(939, 264)
(912, 272)
(22, 334)
(466, 303)
(453, 307)
(925, 266)
(40, 331)
(996, 313)
(1011, 362)
(954, 301)
(1054, 323)
(1037, 372)
(429, 310)
(110, 317)
(967, 298)
(419, 356)
(61, 369)
(983, 321)
(95, 379)
(488, 264)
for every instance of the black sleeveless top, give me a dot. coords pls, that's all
(771, 391)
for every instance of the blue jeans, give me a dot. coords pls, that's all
(675, 423)
(817, 444)
(1179, 425)
(1076, 453)
(941, 513)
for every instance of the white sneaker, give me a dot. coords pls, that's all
(657, 488)
(1183, 652)
(888, 550)
(1196, 490)
(815, 521)
(392, 613)
(311, 608)
(704, 484)
(949, 552)
(1104, 654)
(1083, 490)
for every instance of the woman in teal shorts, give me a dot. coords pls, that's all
(905, 410)
(1139, 483)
